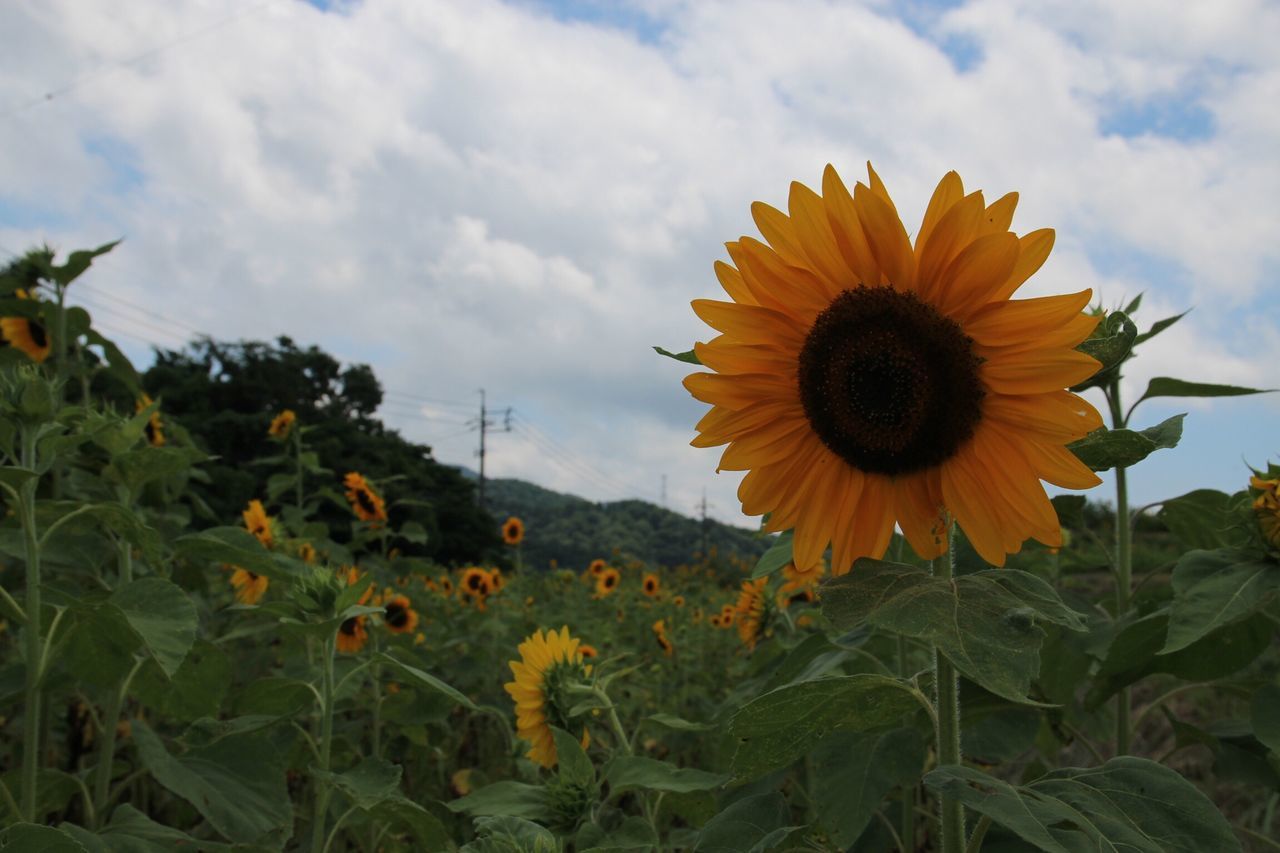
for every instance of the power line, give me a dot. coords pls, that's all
(627, 488)
(92, 74)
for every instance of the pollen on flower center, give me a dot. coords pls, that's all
(888, 383)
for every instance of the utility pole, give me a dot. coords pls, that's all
(485, 425)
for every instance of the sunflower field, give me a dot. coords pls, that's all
(932, 654)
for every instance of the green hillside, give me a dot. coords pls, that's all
(573, 531)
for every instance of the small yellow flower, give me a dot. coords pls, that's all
(652, 586)
(660, 636)
(154, 428)
(282, 425)
(367, 504)
(249, 587)
(257, 522)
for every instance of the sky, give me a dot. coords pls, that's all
(524, 196)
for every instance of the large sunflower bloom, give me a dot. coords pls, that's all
(862, 381)
(549, 665)
(367, 504)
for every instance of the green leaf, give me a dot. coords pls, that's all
(54, 790)
(778, 555)
(426, 828)
(135, 468)
(635, 833)
(237, 783)
(1158, 327)
(1216, 588)
(163, 616)
(195, 690)
(14, 477)
(688, 357)
(572, 763)
(1266, 716)
(1164, 386)
(1105, 448)
(505, 834)
(79, 261)
(1110, 343)
(1070, 510)
(507, 798)
(670, 721)
(235, 546)
(33, 838)
(1200, 519)
(1127, 804)
(628, 772)
(282, 697)
(985, 623)
(854, 772)
(1133, 304)
(111, 516)
(424, 679)
(131, 831)
(775, 729)
(367, 784)
(750, 825)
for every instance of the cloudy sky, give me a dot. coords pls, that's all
(523, 196)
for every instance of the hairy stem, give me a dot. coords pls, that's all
(31, 709)
(326, 744)
(948, 726)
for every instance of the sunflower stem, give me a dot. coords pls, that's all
(947, 732)
(907, 833)
(1124, 568)
(107, 747)
(326, 744)
(297, 458)
(31, 710)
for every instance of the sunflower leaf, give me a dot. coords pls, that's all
(425, 679)
(162, 615)
(1216, 588)
(778, 555)
(1164, 386)
(505, 799)
(854, 771)
(367, 784)
(1200, 519)
(1127, 804)
(45, 839)
(628, 772)
(750, 825)
(688, 357)
(985, 622)
(1158, 327)
(236, 546)
(1111, 342)
(1104, 448)
(777, 728)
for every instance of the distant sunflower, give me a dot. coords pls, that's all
(548, 668)
(714, 620)
(607, 582)
(154, 428)
(861, 381)
(282, 425)
(661, 638)
(353, 633)
(366, 503)
(307, 552)
(678, 601)
(597, 566)
(652, 586)
(26, 334)
(400, 617)
(257, 522)
(727, 615)
(695, 615)
(446, 586)
(249, 587)
(513, 531)
(749, 612)
(496, 579)
(475, 583)
(588, 651)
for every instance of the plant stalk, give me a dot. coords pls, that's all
(1124, 570)
(107, 745)
(907, 830)
(947, 684)
(31, 710)
(326, 744)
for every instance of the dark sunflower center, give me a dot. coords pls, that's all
(366, 502)
(38, 336)
(397, 615)
(889, 384)
(348, 626)
(474, 582)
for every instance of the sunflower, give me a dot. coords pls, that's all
(861, 381)
(26, 334)
(660, 636)
(307, 552)
(695, 615)
(652, 586)
(727, 614)
(513, 531)
(714, 620)
(352, 633)
(750, 611)
(282, 425)
(607, 582)
(367, 504)
(154, 428)
(475, 583)
(496, 579)
(1266, 508)
(257, 522)
(249, 587)
(597, 566)
(400, 617)
(800, 584)
(588, 651)
(446, 586)
(678, 601)
(548, 668)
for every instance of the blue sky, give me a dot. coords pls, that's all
(525, 195)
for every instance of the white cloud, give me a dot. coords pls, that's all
(475, 194)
